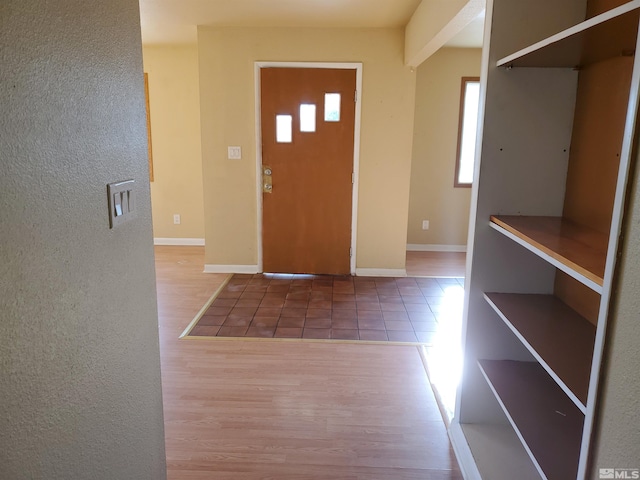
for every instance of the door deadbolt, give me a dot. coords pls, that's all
(267, 185)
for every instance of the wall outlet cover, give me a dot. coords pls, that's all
(234, 153)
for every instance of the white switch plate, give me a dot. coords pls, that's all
(425, 224)
(121, 199)
(234, 153)
(176, 219)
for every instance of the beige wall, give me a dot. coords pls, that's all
(227, 57)
(617, 435)
(175, 127)
(80, 367)
(433, 196)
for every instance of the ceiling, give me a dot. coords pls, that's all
(174, 21)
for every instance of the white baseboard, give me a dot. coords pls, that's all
(381, 272)
(190, 242)
(462, 452)
(230, 269)
(416, 247)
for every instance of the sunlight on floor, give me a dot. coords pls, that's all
(444, 356)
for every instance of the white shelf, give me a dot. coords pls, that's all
(547, 422)
(558, 337)
(576, 250)
(610, 34)
(489, 442)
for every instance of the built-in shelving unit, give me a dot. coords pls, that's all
(547, 422)
(558, 337)
(559, 106)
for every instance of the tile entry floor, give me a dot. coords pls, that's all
(330, 307)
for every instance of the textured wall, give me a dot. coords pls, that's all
(618, 429)
(175, 129)
(435, 140)
(227, 87)
(79, 363)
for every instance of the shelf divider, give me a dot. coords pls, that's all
(491, 441)
(547, 422)
(576, 250)
(557, 336)
(610, 34)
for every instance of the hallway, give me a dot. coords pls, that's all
(262, 409)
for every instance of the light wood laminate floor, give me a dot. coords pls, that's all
(269, 409)
(436, 264)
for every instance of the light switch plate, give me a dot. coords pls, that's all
(121, 197)
(234, 153)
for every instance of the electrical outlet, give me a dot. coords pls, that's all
(176, 219)
(425, 224)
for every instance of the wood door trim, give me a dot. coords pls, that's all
(357, 66)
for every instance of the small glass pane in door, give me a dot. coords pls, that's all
(331, 107)
(284, 128)
(307, 118)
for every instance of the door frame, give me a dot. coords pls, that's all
(356, 145)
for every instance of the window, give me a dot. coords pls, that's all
(307, 117)
(284, 127)
(331, 107)
(467, 129)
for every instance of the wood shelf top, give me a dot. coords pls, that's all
(546, 420)
(577, 250)
(610, 34)
(561, 339)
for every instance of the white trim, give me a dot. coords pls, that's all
(230, 269)
(204, 308)
(356, 168)
(473, 209)
(179, 241)
(258, 126)
(615, 233)
(357, 66)
(418, 247)
(463, 452)
(381, 272)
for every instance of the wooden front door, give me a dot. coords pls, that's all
(308, 120)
